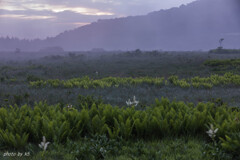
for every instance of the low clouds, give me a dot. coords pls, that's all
(93, 7)
(54, 6)
(41, 18)
(32, 24)
(19, 16)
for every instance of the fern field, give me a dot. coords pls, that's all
(228, 79)
(23, 125)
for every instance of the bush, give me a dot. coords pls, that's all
(87, 101)
(231, 143)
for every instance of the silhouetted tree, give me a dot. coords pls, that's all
(220, 42)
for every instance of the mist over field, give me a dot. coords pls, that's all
(196, 26)
(120, 79)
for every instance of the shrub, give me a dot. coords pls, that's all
(231, 143)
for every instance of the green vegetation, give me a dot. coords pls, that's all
(101, 147)
(86, 82)
(219, 63)
(23, 125)
(231, 143)
(48, 113)
(220, 50)
(232, 65)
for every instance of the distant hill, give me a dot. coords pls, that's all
(198, 25)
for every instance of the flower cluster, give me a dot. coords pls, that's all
(134, 102)
(212, 131)
(69, 106)
(43, 145)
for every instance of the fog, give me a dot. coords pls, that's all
(47, 18)
(195, 26)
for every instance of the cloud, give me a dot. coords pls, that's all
(60, 7)
(42, 18)
(94, 7)
(18, 16)
(10, 7)
(33, 24)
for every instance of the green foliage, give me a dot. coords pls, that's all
(15, 124)
(220, 50)
(226, 65)
(88, 101)
(10, 140)
(214, 151)
(231, 143)
(86, 82)
(96, 147)
(175, 81)
(219, 63)
(164, 118)
(169, 149)
(196, 82)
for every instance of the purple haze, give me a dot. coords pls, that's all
(198, 25)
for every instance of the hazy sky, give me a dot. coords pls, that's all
(41, 18)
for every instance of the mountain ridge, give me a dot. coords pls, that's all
(198, 25)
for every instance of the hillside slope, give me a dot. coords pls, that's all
(198, 25)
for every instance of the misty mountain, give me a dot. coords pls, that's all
(198, 25)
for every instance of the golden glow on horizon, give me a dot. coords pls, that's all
(10, 7)
(53, 8)
(76, 24)
(20, 16)
(80, 24)
(81, 10)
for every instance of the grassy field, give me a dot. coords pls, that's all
(16, 75)
(29, 78)
(171, 149)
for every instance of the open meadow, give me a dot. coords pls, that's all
(120, 105)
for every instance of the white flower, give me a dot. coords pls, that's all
(102, 150)
(134, 98)
(212, 132)
(43, 145)
(69, 106)
(128, 102)
(134, 102)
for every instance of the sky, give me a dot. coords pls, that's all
(31, 19)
